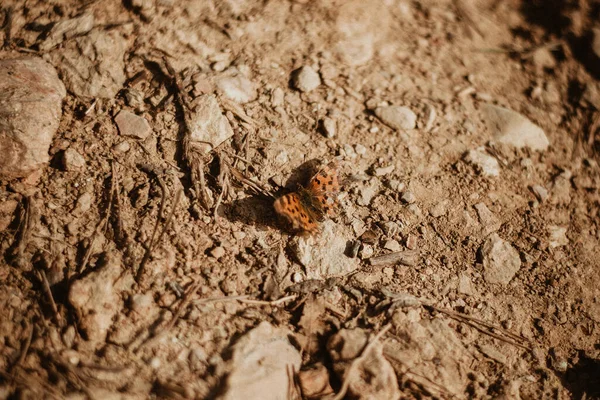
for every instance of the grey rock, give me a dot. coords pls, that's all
(133, 125)
(208, 126)
(30, 110)
(67, 29)
(238, 88)
(323, 254)
(500, 260)
(83, 204)
(366, 194)
(513, 129)
(306, 79)
(72, 160)
(486, 165)
(92, 66)
(260, 365)
(439, 209)
(397, 117)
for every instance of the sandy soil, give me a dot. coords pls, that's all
(145, 259)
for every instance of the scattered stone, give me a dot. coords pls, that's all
(260, 365)
(591, 95)
(238, 89)
(487, 219)
(557, 236)
(411, 242)
(431, 115)
(72, 160)
(30, 111)
(543, 59)
(217, 252)
(383, 171)
(540, 192)
(465, 286)
(329, 127)
(92, 66)
(360, 149)
(432, 349)
(373, 377)
(133, 125)
(323, 254)
(83, 204)
(208, 126)
(314, 382)
(134, 98)
(366, 194)
(513, 129)
(408, 197)
(122, 147)
(277, 97)
(96, 299)
(486, 165)
(500, 260)
(67, 29)
(595, 44)
(440, 209)
(408, 258)
(397, 117)
(561, 188)
(7, 210)
(367, 251)
(305, 79)
(392, 245)
(390, 228)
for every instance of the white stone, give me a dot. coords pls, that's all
(306, 79)
(208, 126)
(513, 129)
(323, 254)
(238, 89)
(485, 164)
(397, 117)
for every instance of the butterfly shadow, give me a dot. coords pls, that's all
(257, 210)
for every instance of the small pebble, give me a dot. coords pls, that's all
(392, 245)
(305, 79)
(411, 242)
(72, 160)
(384, 170)
(408, 197)
(367, 251)
(296, 277)
(397, 117)
(277, 97)
(122, 147)
(360, 149)
(329, 127)
(132, 125)
(540, 192)
(217, 252)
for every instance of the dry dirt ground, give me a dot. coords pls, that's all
(145, 259)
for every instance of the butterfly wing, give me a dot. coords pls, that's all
(290, 207)
(324, 188)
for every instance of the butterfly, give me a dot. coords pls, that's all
(309, 205)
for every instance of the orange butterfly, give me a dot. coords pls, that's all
(309, 205)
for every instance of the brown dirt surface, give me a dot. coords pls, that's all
(145, 259)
